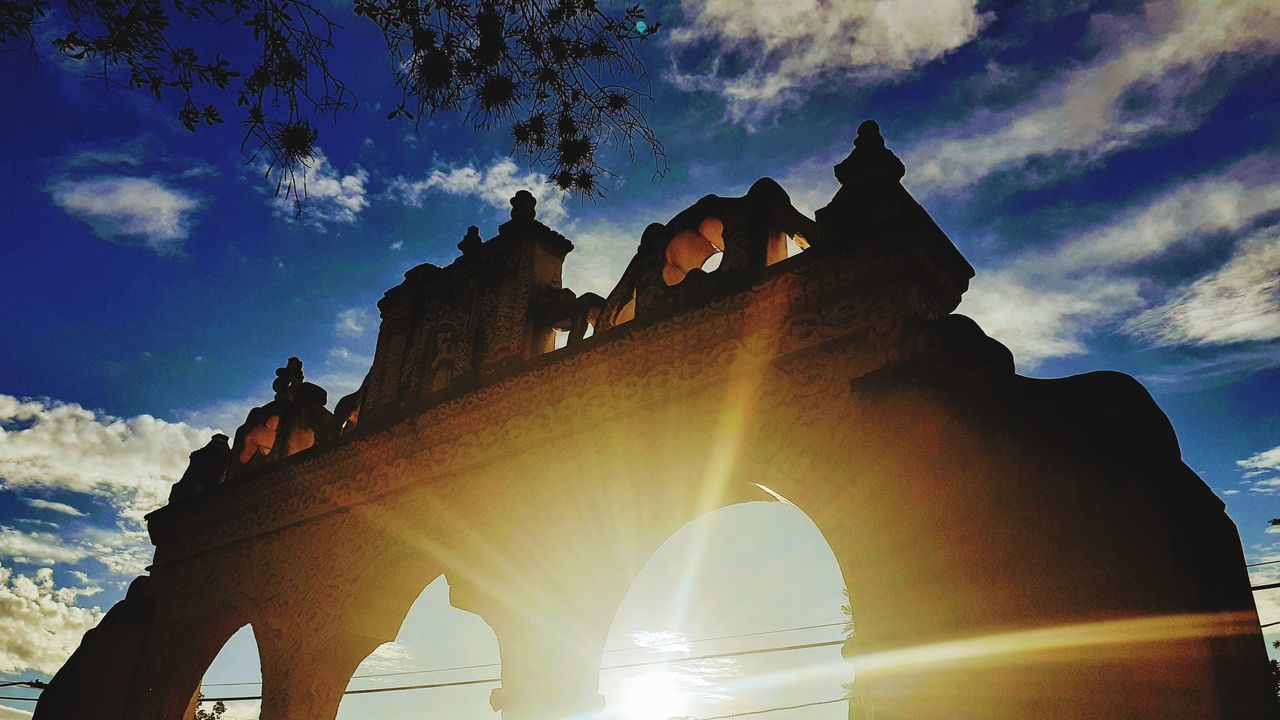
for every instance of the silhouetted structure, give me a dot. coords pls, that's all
(1046, 531)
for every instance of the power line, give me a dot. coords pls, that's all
(615, 650)
(647, 663)
(770, 710)
(369, 691)
(1265, 562)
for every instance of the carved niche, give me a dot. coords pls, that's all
(491, 309)
(294, 421)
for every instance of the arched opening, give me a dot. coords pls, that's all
(236, 671)
(437, 644)
(693, 248)
(756, 578)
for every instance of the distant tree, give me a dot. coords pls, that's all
(213, 713)
(558, 72)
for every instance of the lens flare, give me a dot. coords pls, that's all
(654, 695)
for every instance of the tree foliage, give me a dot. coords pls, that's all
(214, 711)
(557, 72)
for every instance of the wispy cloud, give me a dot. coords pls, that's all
(1150, 78)
(1262, 471)
(1238, 302)
(789, 48)
(1045, 302)
(41, 504)
(1227, 201)
(352, 323)
(1037, 322)
(130, 210)
(494, 185)
(390, 657)
(328, 196)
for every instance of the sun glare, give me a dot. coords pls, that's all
(654, 695)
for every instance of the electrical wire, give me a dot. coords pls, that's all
(770, 710)
(615, 650)
(647, 663)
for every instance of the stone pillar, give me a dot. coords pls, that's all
(1020, 548)
(551, 642)
(304, 672)
(549, 674)
(177, 652)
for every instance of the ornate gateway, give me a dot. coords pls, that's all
(1046, 532)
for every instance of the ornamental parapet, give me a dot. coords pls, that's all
(466, 359)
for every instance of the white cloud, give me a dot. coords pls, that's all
(63, 446)
(327, 195)
(1145, 81)
(1265, 460)
(9, 713)
(131, 210)
(57, 507)
(243, 709)
(1223, 202)
(1037, 322)
(37, 548)
(494, 185)
(352, 323)
(792, 47)
(1268, 602)
(1256, 468)
(1238, 302)
(124, 549)
(60, 446)
(601, 252)
(41, 621)
(386, 658)
(1043, 303)
(225, 416)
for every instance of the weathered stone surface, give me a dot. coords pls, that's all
(1046, 531)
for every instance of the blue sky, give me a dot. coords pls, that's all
(1111, 170)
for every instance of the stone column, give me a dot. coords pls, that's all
(551, 643)
(549, 674)
(177, 651)
(304, 672)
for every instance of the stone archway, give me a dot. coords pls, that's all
(1041, 536)
(433, 637)
(746, 577)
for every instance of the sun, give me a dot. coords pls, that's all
(655, 695)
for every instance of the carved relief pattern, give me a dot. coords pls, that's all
(805, 303)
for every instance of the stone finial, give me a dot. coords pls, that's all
(522, 205)
(870, 162)
(205, 468)
(288, 378)
(472, 242)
